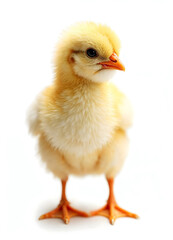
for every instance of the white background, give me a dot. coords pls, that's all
(28, 35)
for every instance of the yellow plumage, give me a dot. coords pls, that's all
(81, 119)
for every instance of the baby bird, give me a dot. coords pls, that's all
(81, 119)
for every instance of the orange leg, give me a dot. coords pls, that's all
(63, 210)
(111, 210)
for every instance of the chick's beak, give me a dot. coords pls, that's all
(114, 63)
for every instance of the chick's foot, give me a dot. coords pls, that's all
(63, 211)
(111, 210)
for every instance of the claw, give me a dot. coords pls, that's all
(112, 221)
(66, 220)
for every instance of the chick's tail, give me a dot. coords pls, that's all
(33, 118)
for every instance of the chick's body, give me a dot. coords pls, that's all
(81, 119)
(81, 128)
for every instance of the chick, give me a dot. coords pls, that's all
(81, 119)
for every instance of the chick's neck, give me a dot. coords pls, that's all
(65, 78)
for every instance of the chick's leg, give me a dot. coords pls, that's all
(111, 210)
(63, 210)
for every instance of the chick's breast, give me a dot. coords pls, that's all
(78, 121)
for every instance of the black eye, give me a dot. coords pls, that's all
(91, 52)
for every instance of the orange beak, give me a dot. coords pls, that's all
(114, 63)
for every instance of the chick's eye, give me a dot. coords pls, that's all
(91, 53)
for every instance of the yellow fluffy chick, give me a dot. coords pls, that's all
(81, 119)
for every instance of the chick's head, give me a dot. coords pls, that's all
(91, 51)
